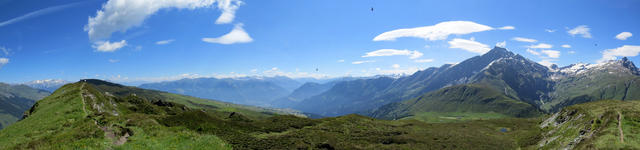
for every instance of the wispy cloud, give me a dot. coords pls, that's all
(551, 53)
(534, 52)
(38, 13)
(625, 51)
(502, 44)
(237, 35)
(362, 62)
(5, 50)
(341, 61)
(107, 46)
(3, 61)
(113, 60)
(566, 46)
(423, 60)
(469, 45)
(394, 52)
(163, 42)
(439, 31)
(549, 30)
(541, 45)
(580, 30)
(547, 62)
(623, 35)
(521, 39)
(507, 28)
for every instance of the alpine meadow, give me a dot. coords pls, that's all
(319, 74)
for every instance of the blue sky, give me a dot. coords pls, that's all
(146, 40)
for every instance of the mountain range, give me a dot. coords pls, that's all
(16, 99)
(501, 74)
(47, 84)
(257, 91)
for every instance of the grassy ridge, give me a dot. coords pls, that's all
(470, 98)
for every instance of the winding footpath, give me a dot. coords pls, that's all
(84, 104)
(620, 127)
(108, 133)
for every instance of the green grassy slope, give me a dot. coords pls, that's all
(597, 86)
(594, 125)
(101, 115)
(472, 99)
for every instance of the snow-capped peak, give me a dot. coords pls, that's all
(47, 81)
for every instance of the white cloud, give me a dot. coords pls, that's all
(5, 50)
(580, 30)
(469, 45)
(623, 35)
(120, 15)
(341, 60)
(254, 70)
(551, 53)
(549, 30)
(394, 52)
(397, 71)
(439, 31)
(427, 46)
(521, 39)
(547, 62)
(502, 44)
(38, 13)
(625, 51)
(395, 66)
(237, 35)
(566, 46)
(571, 52)
(507, 28)
(3, 61)
(163, 42)
(363, 61)
(541, 45)
(228, 8)
(106, 46)
(423, 60)
(534, 52)
(113, 60)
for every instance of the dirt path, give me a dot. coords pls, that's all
(108, 132)
(84, 104)
(620, 127)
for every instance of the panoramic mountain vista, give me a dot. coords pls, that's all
(104, 115)
(319, 75)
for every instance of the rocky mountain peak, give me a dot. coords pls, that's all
(498, 52)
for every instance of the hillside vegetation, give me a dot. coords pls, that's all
(605, 124)
(94, 114)
(470, 99)
(100, 115)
